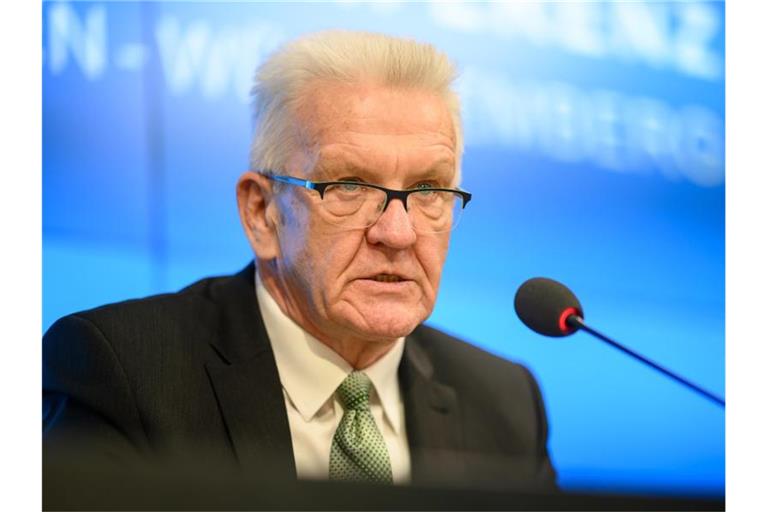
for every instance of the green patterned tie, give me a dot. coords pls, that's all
(358, 451)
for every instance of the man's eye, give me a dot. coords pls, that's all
(350, 187)
(424, 185)
(350, 183)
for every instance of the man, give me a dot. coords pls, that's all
(313, 362)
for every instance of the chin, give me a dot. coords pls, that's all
(387, 323)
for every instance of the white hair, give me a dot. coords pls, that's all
(346, 57)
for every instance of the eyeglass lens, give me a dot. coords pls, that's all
(360, 206)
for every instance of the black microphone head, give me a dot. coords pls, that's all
(544, 305)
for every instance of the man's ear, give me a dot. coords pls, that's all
(255, 202)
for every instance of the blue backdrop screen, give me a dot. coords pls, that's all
(594, 152)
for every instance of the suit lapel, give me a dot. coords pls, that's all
(247, 387)
(246, 382)
(433, 420)
(252, 405)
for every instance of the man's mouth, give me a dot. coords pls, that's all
(387, 278)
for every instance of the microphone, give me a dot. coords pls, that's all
(550, 308)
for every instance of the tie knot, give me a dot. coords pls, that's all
(353, 392)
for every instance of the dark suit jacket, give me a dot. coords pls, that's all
(193, 373)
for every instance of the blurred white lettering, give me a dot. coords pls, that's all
(87, 41)
(613, 131)
(181, 52)
(219, 62)
(673, 35)
(699, 25)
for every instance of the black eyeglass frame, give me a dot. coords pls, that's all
(402, 195)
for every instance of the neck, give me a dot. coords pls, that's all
(359, 352)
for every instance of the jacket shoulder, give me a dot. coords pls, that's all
(451, 355)
(192, 309)
(168, 305)
(140, 337)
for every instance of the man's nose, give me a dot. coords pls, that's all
(393, 228)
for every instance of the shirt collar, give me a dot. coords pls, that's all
(310, 371)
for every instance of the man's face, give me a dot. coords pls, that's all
(397, 138)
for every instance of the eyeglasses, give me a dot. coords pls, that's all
(358, 205)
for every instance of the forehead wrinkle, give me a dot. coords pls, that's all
(328, 152)
(419, 136)
(326, 119)
(330, 161)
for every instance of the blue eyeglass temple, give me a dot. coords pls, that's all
(292, 181)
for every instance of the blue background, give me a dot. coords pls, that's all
(594, 153)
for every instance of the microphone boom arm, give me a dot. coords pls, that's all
(576, 322)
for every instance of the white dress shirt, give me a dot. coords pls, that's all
(310, 372)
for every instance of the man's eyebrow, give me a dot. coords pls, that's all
(336, 170)
(443, 170)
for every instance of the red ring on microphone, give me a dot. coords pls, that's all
(563, 324)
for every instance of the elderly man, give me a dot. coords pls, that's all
(313, 362)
